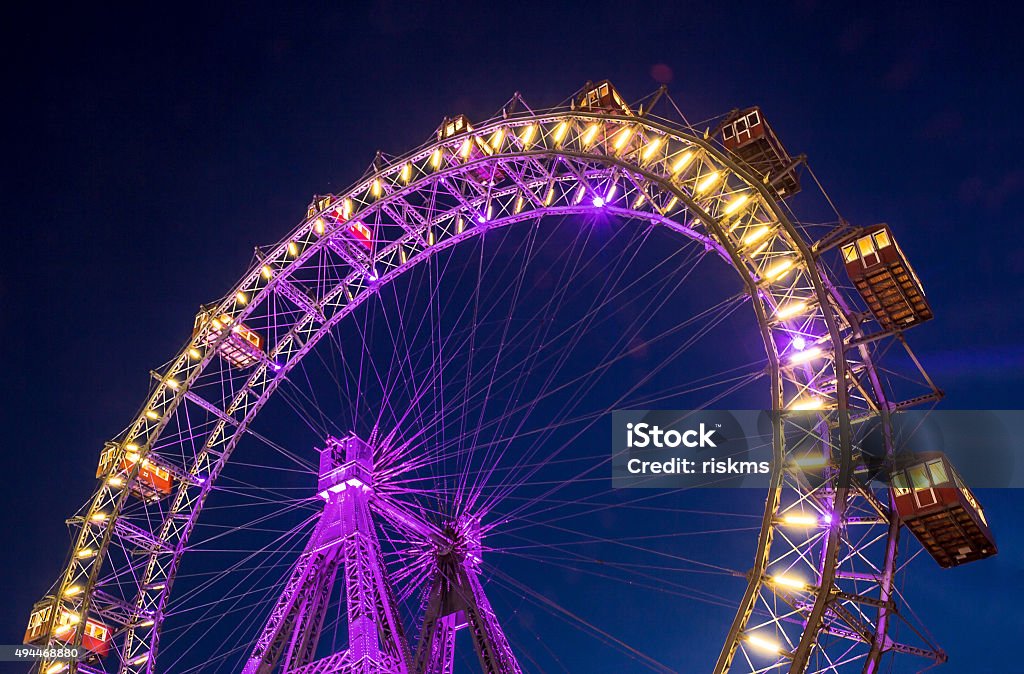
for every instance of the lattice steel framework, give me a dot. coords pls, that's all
(830, 530)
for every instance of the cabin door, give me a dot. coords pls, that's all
(868, 254)
(924, 492)
(742, 131)
(925, 497)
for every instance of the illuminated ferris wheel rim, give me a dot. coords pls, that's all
(677, 173)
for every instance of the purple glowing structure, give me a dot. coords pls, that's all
(456, 600)
(345, 540)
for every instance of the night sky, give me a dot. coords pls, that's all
(148, 150)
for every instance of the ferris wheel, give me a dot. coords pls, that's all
(442, 340)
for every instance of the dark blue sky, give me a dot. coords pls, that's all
(149, 149)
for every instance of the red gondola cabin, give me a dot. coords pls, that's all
(471, 149)
(749, 139)
(361, 233)
(241, 346)
(95, 640)
(152, 483)
(603, 98)
(940, 510)
(358, 231)
(884, 278)
(319, 203)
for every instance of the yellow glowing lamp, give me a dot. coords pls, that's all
(708, 181)
(735, 204)
(788, 581)
(805, 356)
(764, 644)
(790, 310)
(497, 139)
(682, 162)
(810, 461)
(527, 137)
(756, 234)
(622, 137)
(559, 133)
(778, 269)
(807, 404)
(651, 148)
(800, 520)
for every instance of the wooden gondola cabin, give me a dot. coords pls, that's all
(234, 341)
(603, 98)
(95, 639)
(750, 139)
(471, 149)
(884, 278)
(357, 231)
(319, 203)
(152, 482)
(941, 511)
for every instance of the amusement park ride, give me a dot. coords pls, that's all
(725, 188)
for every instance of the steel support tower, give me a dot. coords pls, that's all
(344, 539)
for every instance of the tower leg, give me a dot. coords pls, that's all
(284, 625)
(456, 600)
